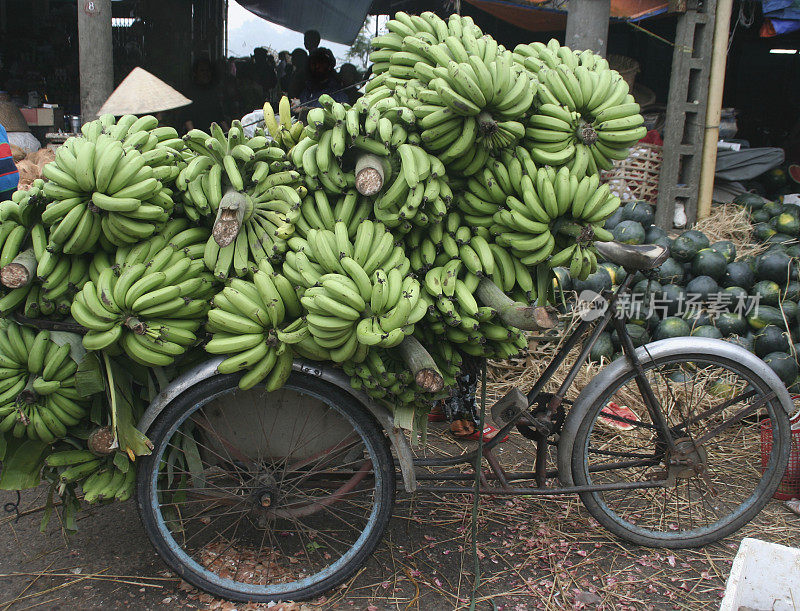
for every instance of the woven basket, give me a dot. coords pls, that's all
(627, 67)
(636, 178)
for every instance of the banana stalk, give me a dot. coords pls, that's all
(421, 364)
(20, 271)
(525, 317)
(230, 217)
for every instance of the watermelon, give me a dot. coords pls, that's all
(726, 248)
(785, 223)
(770, 339)
(762, 232)
(702, 287)
(731, 324)
(602, 348)
(759, 216)
(733, 296)
(697, 317)
(638, 334)
(647, 287)
(768, 293)
(707, 331)
(738, 273)
(672, 326)
(789, 308)
(774, 179)
(611, 414)
(639, 211)
(629, 232)
(793, 250)
(773, 265)
(684, 248)
(611, 269)
(562, 278)
(773, 208)
(779, 238)
(664, 242)
(794, 173)
(709, 263)
(670, 271)
(792, 291)
(673, 297)
(698, 237)
(653, 233)
(598, 282)
(615, 219)
(749, 200)
(763, 316)
(744, 340)
(784, 365)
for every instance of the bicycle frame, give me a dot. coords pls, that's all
(554, 410)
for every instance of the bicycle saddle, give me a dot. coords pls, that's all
(633, 256)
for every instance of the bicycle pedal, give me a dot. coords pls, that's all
(508, 407)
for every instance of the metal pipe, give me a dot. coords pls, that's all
(544, 491)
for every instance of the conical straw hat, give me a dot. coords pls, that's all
(142, 93)
(11, 118)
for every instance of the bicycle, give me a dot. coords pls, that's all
(257, 497)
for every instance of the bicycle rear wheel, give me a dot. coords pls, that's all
(714, 479)
(256, 496)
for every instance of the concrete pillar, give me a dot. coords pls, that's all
(587, 25)
(95, 55)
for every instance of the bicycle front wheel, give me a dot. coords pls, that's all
(259, 497)
(714, 476)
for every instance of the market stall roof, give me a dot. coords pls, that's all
(543, 16)
(335, 20)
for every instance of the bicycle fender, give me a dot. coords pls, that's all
(666, 347)
(337, 377)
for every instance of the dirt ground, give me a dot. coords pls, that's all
(534, 554)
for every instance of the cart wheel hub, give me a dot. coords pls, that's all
(688, 459)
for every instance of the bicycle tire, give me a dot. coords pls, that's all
(598, 507)
(314, 585)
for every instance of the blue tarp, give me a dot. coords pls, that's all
(335, 20)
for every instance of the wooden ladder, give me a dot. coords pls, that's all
(686, 113)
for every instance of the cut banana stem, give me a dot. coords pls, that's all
(27, 395)
(20, 271)
(369, 174)
(525, 317)
(421, 363)
(230, 217)
(102, 441)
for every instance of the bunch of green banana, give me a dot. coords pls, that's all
(103, 478)
(356, 292)
(267, 223)
(321, 211)
(383, 375)
(247, 323)
(585, 116)
(151, 308)
(473, 91)
(26, 205)
(60, 275)
(140, 133)
(284, 133)
(38, 397)
(104, 189)
(418, 195)
(221, 162)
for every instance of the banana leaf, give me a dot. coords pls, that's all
(23, 464)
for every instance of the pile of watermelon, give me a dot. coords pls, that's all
(726, 289)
